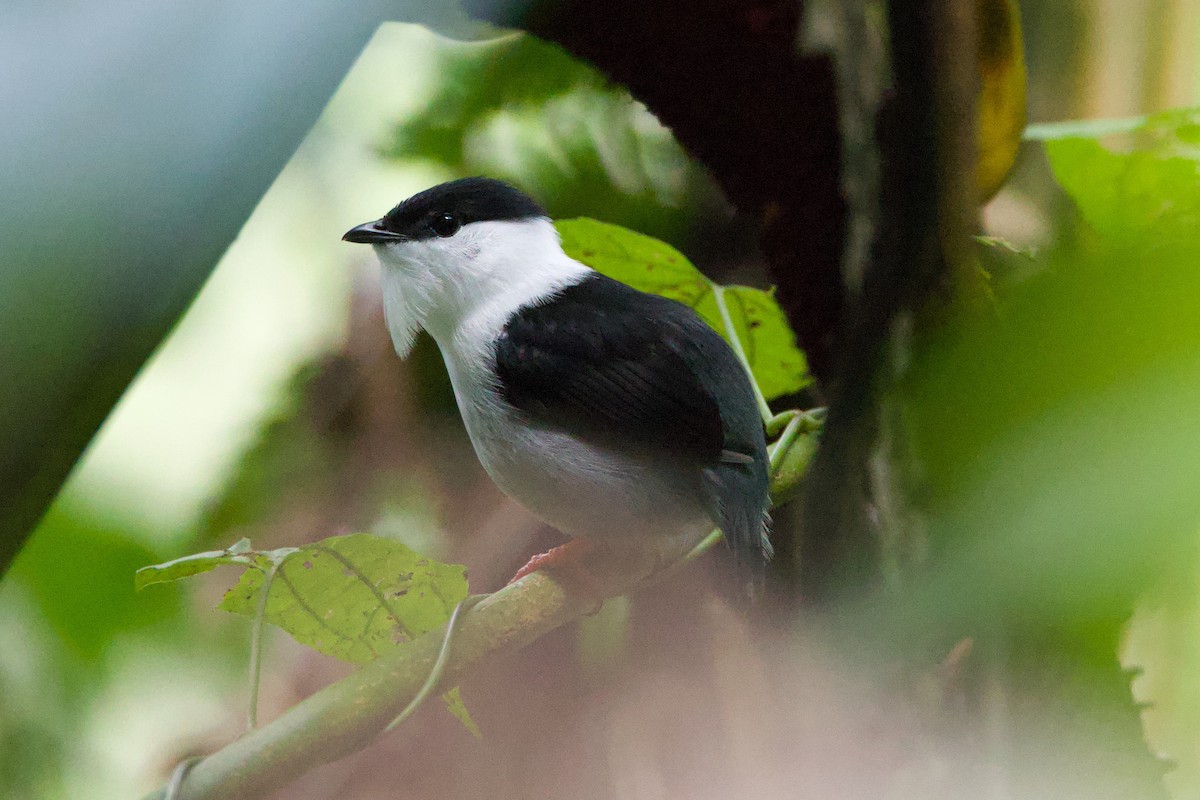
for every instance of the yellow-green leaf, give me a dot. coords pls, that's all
(353, 597)
(456, 706)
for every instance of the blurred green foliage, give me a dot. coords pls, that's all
(68, 618)
(1106, 314)
(296, 450)
(1059, 453)
(521, 109)
(478, 80)
(76, 559)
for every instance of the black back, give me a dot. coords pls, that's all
(607, 362)
(468, 200)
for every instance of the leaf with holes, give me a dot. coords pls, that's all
(653, 266)
(353, 597)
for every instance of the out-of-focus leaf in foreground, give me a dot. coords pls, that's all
(1144, 199)
(1059, 444)
(1004, 403)
(653, 266)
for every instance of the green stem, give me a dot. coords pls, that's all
(256, 647)
(731, 333)
(704, 545)
(777, 423)
(439, 665)
(175, 786)
(812, 419)
(779, 449)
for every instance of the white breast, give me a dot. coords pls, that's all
(575, 486)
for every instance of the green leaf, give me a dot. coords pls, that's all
(1128, 197)
(653, 266)
(353, 597)
(185, 567)
(456, 706)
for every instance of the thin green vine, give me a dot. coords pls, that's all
(175, 785)
(719, 295)
(439, 664)
(256, 642)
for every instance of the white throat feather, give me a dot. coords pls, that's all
(490, 268)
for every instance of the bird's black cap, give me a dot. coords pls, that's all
(456, 202)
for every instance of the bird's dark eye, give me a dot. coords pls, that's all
(445, 225)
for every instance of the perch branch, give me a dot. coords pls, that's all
(344, 717)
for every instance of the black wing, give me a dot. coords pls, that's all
(606, 361)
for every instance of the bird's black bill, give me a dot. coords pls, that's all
(371, 233)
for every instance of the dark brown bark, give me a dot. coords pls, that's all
(727, 78)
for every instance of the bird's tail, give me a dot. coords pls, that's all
(737, 499)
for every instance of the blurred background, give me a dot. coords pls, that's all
(277, 410)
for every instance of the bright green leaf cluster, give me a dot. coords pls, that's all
(653, 266)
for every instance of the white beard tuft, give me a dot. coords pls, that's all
(404, 311)
(410, 293)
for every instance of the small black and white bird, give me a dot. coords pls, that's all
(616, 416)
